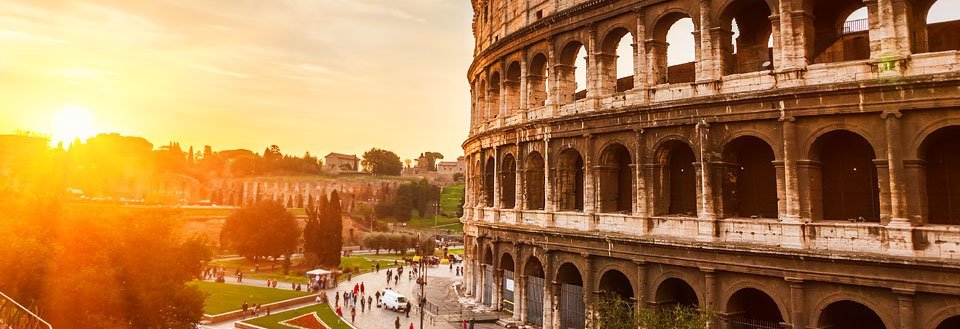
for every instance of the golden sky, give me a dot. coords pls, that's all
(307, 75)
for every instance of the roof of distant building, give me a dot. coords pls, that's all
(342, 156)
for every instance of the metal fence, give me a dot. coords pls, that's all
(14, 315)
(534, 292)
(509, 287)
(571, 307)
(747, 323)
(854, 26)
(488, 286)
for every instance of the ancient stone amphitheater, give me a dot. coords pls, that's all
(802, 172)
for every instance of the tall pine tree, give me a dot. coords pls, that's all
(313, 232)
(332, 231)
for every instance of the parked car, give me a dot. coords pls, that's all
(392, 300)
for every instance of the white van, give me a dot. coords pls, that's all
(391, 300)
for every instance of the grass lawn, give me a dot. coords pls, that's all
(365, 261)
(225, 297)
(298, 270)
(455, 251)
(322, 310)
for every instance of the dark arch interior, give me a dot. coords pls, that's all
(571, 177)
(951, 323)
(533, 268)
(569, 274)
(616, 181)
(488, 257)
(610, 66)
(941, 156)
(848, 176)
(506, 262)
(676, 292)
(488, 172)
(750, 50)
(508, 183)
(569, 89)
(834, 39)
(534, 182)
(752, 306)
(494, 100)
(537, 80)
(750, 183)
(682, 180)
(616, 282)
(848, 314)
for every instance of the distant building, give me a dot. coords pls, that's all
(336, 163)
(451, 167)
(19, 157)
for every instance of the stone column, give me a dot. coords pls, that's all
(705, 209)
(524, 85)
(593, 74)
(481, 283)
(498, 288)
(797, 312)
(906, 313)
(640, 195)
(550, 302)
(898, 195)
(710, 288)
(495, 203)
(777, 43)
(640, 290)
(549, 199)
(640, 69)
(589, 179)
(589, 287)
(708, 66)
(656, 62)
(553, 92)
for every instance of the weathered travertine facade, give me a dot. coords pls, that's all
(814, 183)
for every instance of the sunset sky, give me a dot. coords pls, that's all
(318, 76)
(307, 75)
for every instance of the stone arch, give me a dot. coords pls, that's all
(533, 267)
(488, 181)
(572, 308)
(846, 175)
(840, 311)
(610, 79)
(749, 180)
(482, 105)
(537, 80)
(658, 49)
(944, 317)
(672, 289)
(950, 323)
(534, 181)
(677, 178)
(750, 50)
(487, 254)
(615, 179)
(567, 71)
(506, 262)
(930, 36)
(508, 182)
(570, 180)
(940, 163)
(477, 181)
(616, 282)
(511, 88)
(494, 109)
(833, 39)
(753, 306)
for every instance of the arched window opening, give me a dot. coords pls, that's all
(951, 323)
(534, 182)
(941, 157)
(494, 100)
(570, 176)
(534, 291)
(537, 81)
(508, 183)
(482, 112)
(511, 86)
(572, 310)
(478, 181)
(617, 284)
(848, 314)
(571, 72)
(942, 20)
(680, 180)
(488, 175)
(616, 180)
(750, 180)
(675, 292)
(848, 177)
(841, 31)
(673, 50)
(746, 32)
(616, 62)
(487, 278)
(507, 284)
(753, 309)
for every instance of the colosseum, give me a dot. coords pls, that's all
(802, 171)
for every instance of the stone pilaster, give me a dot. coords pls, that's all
(797, 312)
(907, 319)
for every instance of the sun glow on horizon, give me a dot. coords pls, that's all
(72, 122)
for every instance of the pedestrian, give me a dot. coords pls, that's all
(363, 304)
(293, 286)
(240, 278)
(268, 283)
(336, 299)
(378, 267)
(339, 312)
(464, 321)
(369, 302)
(411, 325)
(407, 310)
(361, 288)
(318, 299)
(268, 310)
(353, 315)
(397, 323)
(256, 310)
(356, 288)
(245, 307)
(451, 266)
(274, 283)
(378, 298)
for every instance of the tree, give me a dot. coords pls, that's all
(264, 229)
(613, 312)
(332, 224)
(312, 236)
(381, 162)
(431, 159)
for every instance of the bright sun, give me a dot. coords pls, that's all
(72, 122)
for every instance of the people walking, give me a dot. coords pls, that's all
(397, 323)
(353, 315)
